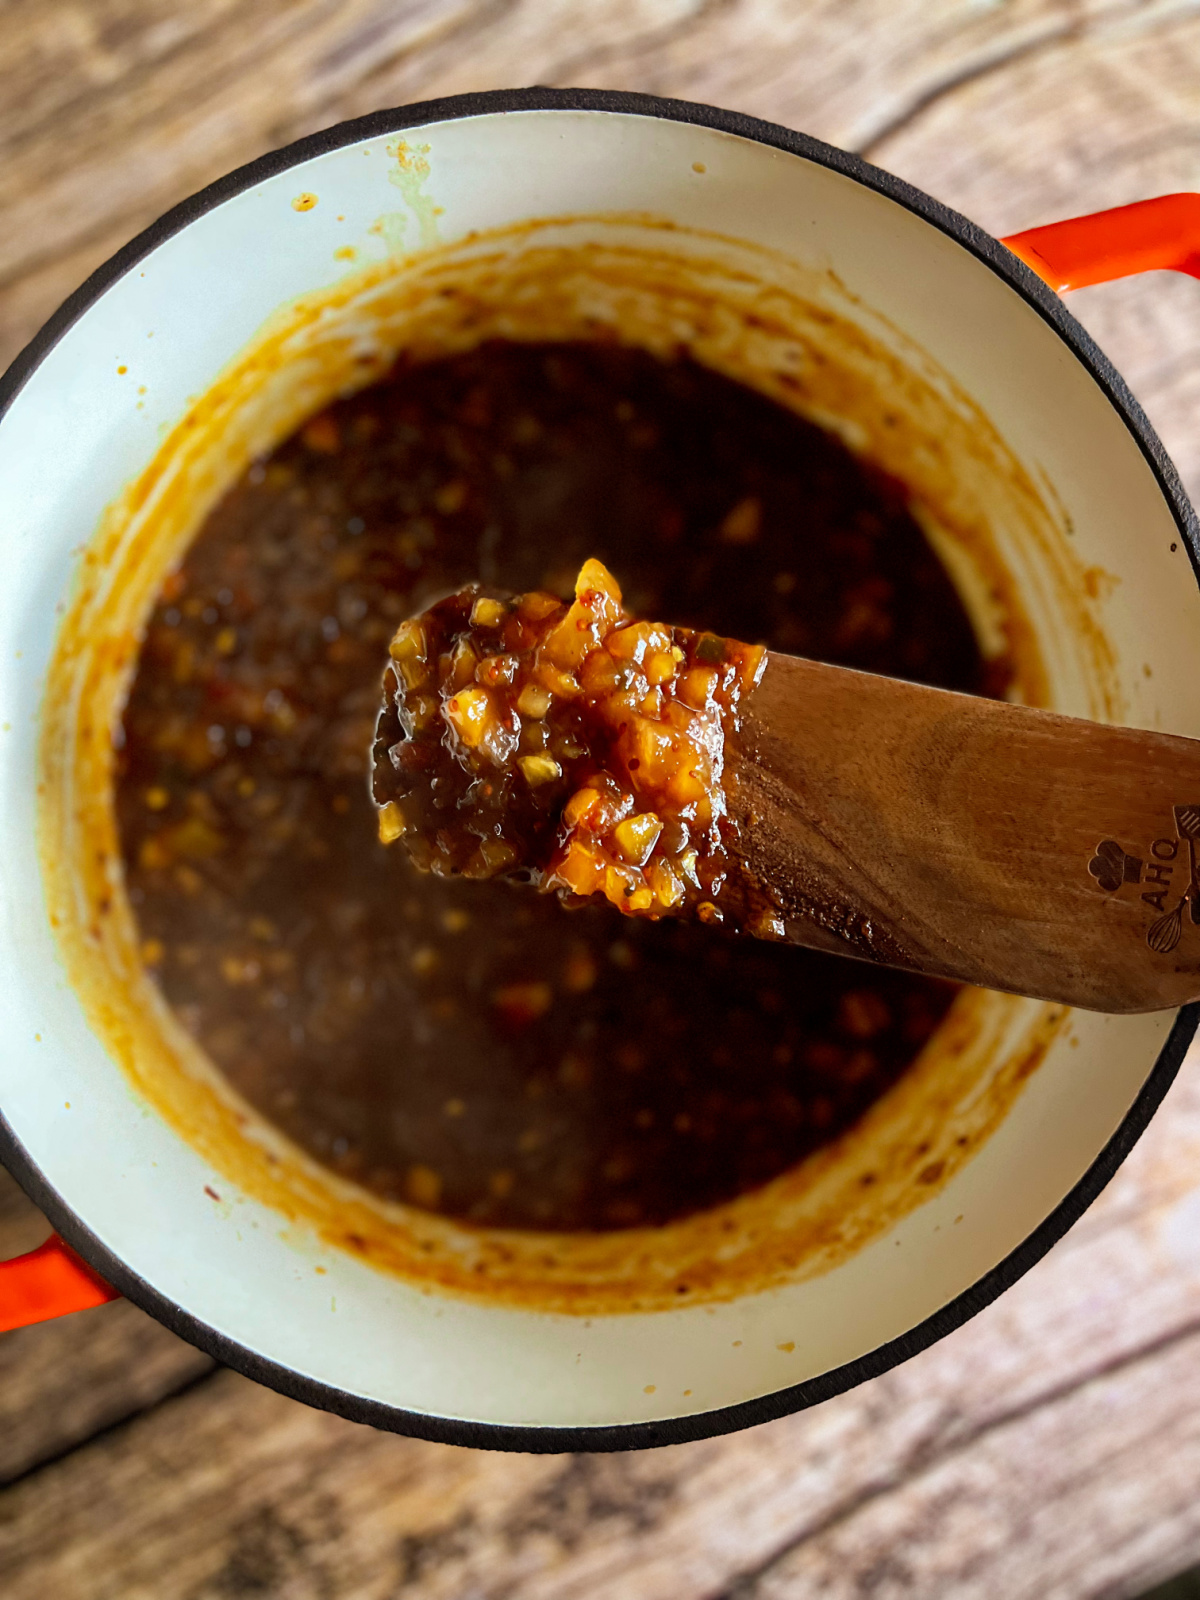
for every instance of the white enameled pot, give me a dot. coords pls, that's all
(1068, 512)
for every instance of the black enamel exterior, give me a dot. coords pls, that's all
(676, 1430)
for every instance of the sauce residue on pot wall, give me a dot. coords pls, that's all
(456, 1044)
(794, 335)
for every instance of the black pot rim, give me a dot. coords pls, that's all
(782, 1402)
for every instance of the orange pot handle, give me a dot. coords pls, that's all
(48, 1282)
(1152, 235)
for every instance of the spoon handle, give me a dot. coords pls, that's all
(973, 839)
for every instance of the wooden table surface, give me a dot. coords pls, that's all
(1048, 1450)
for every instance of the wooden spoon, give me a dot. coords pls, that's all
(939, 832)
(972, 839)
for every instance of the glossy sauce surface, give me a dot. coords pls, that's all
(566, 745)
(468, 1046)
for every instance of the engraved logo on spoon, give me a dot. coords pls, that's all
(1112, 866)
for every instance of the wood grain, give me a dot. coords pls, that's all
(61, 1382)
(112, 111)
(1098, 119)
(1062, 1418)
(1049, 1449)
(962, 837)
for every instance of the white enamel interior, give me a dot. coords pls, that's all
(75, 436)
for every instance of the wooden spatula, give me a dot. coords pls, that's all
(972, 839)
(951, 835)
